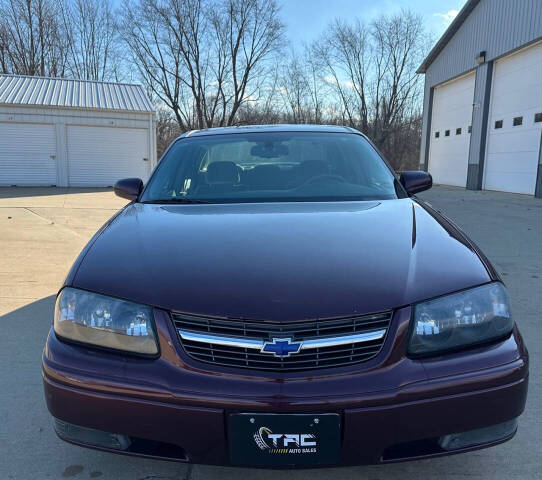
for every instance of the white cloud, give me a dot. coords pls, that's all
(330, 79)
(448, 16)
(350, 84)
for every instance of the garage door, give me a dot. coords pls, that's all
(99, 156)
(515, 123)
(450, 131)
(27, 154)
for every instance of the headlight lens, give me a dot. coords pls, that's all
(466, 318)
(105, 321)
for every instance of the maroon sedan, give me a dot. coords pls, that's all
(276, 296)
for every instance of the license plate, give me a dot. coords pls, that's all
(284, 440)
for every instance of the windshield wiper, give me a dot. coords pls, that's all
(177, 200)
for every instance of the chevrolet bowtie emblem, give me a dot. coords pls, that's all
(281, 347)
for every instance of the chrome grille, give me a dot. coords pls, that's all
(236, 343)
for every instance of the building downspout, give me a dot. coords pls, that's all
(538, 188)
(480, 119)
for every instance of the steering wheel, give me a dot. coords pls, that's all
(325, 176)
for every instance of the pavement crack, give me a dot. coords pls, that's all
(37, 214)
(52, 222)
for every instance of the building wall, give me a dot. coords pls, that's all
(497, 27)
(61, 117)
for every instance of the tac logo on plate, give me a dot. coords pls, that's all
(283, 443)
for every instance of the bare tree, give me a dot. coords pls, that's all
(157, 57)
(167, 129)
(92, 39)
(401, 42)
(219, 62)
(344, 55)
(300, 89)
(32, 41)
(264, 109)
(370, 71)
(5, 62)
(203, 59)
(253, 33)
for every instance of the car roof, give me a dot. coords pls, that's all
(270, 128)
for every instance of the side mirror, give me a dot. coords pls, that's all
(129, 188)
(416, 181)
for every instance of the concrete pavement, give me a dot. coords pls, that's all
(43, 230)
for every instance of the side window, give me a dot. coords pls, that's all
(437, 134)
(458, 131)
(447, 133)
(518, 121)
(498, 124)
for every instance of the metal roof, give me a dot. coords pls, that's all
(448, 34)
(68, 93)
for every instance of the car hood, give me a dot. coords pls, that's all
(279, 261)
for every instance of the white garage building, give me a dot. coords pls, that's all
(73, 133)
(482, 125)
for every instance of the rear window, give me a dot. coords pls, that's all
(274, 166)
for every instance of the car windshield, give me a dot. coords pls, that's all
(271, 166)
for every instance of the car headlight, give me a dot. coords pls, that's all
(461, 319)
(104, 321)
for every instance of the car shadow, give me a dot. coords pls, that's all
(29, 447)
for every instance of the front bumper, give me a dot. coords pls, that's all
(391, 408)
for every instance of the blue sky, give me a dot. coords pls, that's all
(305, 19)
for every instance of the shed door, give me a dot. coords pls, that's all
(99, 156)
(513, 150)
(450, 137)
(27, 154)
